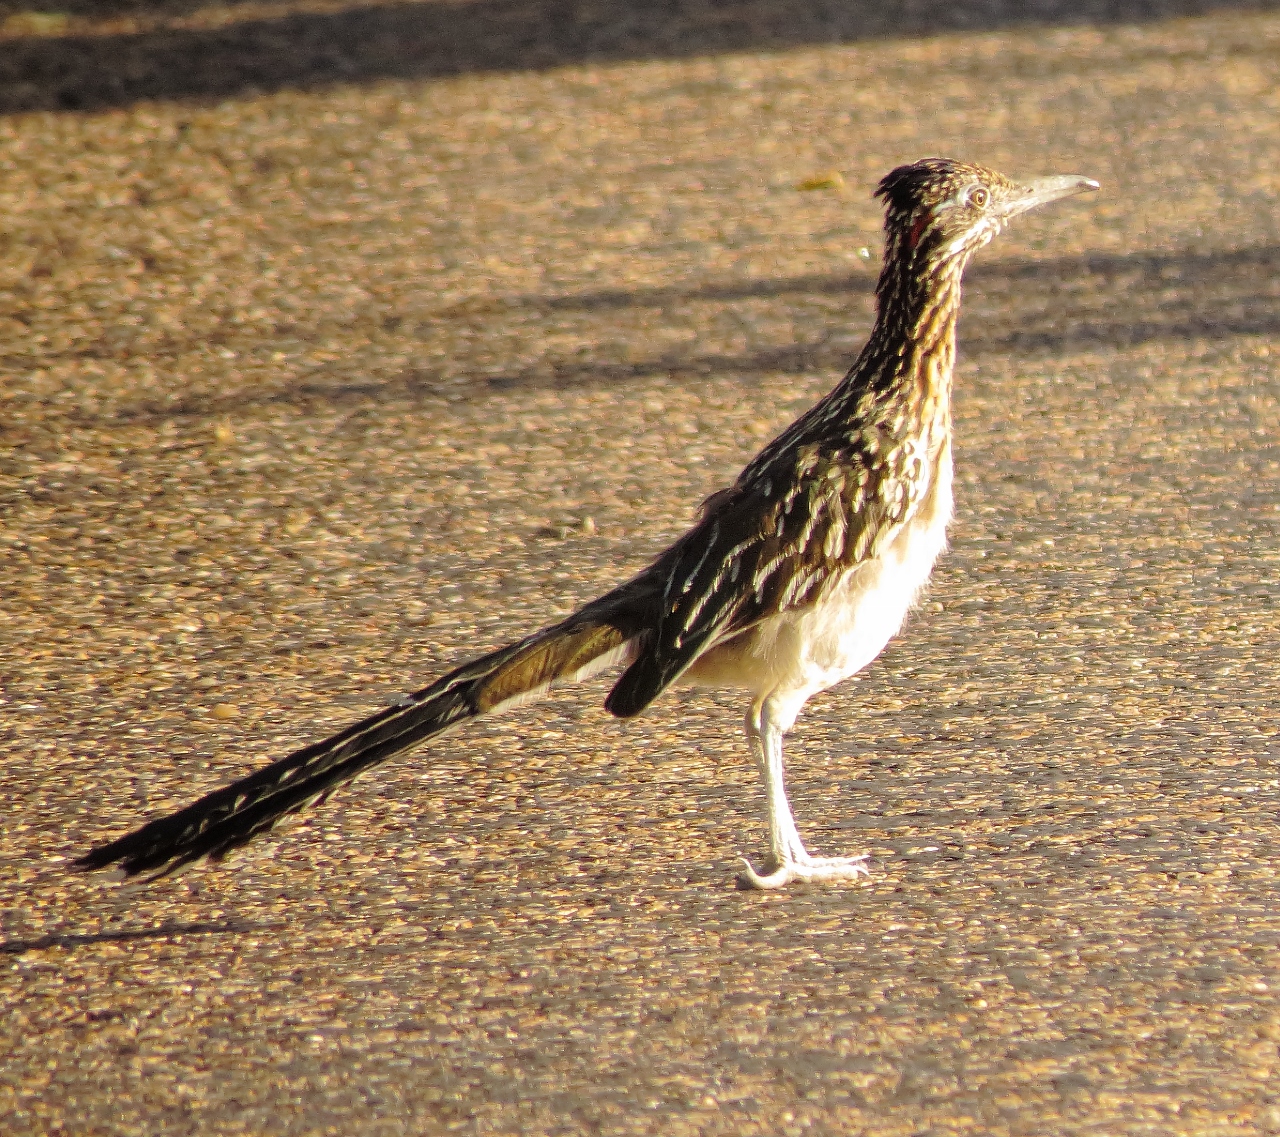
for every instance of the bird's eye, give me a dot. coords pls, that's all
(979, 197)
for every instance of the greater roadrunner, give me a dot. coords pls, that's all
(792, 579)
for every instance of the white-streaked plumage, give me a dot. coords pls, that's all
(793, 579)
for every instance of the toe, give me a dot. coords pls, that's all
(783, 875)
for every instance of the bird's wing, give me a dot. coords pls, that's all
(767, 545)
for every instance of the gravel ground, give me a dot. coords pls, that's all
(325, 372)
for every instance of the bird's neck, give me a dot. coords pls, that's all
(899, 388)
(912, 346)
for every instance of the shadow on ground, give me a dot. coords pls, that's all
(1046, 307)
(118, 52)
(68, 940)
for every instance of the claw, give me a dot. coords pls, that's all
(819, 869)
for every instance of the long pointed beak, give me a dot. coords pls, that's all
(1044, 190)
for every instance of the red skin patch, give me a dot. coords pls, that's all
(916, 230)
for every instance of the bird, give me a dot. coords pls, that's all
(790, 580)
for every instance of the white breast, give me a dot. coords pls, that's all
(795, 655)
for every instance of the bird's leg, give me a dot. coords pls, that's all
(792, 861)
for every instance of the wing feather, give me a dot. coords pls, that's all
(769, 544)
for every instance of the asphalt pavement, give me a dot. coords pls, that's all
(343, 340)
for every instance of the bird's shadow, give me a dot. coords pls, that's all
(168, 930)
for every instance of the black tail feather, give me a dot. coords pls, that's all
(233, 815)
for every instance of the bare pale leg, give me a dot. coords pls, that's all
(792, 861)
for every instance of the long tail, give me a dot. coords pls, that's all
(584, 643)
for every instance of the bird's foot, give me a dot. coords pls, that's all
(817, 869)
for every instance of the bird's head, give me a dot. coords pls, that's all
(939, 211)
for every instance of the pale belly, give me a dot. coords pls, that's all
(795, 655)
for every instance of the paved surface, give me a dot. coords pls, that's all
(317, 386)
